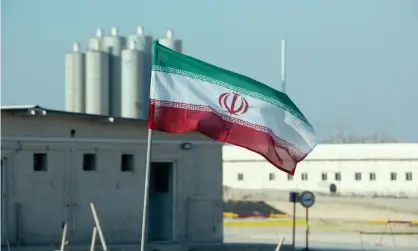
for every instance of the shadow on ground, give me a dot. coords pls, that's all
(250, 208)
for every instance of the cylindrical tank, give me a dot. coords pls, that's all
(132, 86)
(170, 42)
(98, 39)
(97, 81)
(143, 43)
(114, 44)
(75, 80)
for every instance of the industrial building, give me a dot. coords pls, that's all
(386, 169)
(112, 77)
(55, 163)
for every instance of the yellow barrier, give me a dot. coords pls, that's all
(282, 223)
(230, 215)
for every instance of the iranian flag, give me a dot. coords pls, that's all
(190, 95)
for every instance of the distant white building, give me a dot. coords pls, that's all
(354, 169)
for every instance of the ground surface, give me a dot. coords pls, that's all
(336, 223)
(335, 208)
(322, 239)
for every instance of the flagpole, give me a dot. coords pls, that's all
(283, 66)
(284, 90)
(146, 190)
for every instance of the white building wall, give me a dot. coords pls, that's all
(38, 203)
(347, 160)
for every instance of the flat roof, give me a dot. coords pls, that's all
(36, 109)
(234, 153)
(324, 152)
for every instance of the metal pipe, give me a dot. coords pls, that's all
(99, 229)
(93, 239)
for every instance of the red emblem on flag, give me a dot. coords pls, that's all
(233, 103)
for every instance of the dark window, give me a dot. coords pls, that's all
(372, 176)
(272, 176)
(89, 162)
(393, 176)
(160, 177)
(357, 176)
(324, 176)
(240, 176)
(337, 176)
(127, 163)
(304, 176)
(289, 177)
(408, 176)
(40, 162)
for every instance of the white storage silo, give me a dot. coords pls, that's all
(97, 81)
(114, 44)
(170, 42)
(132, 82)
(75, 80)
(143, 43)
(97, 40)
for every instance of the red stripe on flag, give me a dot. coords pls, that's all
(179, 120)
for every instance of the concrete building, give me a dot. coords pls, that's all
(349, 169)
(55, 163)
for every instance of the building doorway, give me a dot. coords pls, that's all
(161, 202)
(3, 201)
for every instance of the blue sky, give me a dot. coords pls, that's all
(352, 65)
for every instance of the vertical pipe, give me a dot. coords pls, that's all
(283, 66)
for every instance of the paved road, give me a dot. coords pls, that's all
(322, 239)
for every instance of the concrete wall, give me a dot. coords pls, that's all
(38, 203)
(259, 174)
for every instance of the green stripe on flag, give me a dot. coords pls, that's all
(170, 61)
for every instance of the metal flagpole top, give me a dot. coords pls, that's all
(283, 66)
